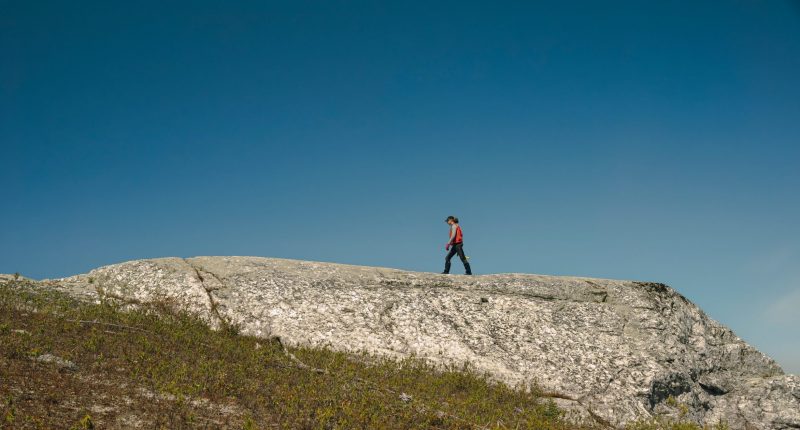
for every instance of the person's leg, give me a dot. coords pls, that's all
(447, 260)
(463, 257)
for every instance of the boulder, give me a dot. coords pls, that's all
(610, 349)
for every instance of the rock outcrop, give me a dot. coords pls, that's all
(617, 350)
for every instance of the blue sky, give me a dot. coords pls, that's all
(611, 139)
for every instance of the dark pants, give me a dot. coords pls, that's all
(457, 248)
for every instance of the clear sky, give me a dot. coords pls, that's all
(636, 140)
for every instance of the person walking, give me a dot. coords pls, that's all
(455, 245)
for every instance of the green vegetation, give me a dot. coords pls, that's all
(68, 364)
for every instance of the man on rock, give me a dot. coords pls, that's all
(455, 245)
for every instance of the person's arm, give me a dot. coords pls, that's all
(452, 235)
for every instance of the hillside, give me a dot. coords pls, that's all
(618, 351)
(67, 364)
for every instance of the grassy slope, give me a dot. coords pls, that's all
(154, 368)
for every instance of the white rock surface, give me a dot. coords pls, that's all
(619, 349)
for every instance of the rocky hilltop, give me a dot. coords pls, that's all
(613, 350)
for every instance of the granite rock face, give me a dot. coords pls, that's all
(614, 350)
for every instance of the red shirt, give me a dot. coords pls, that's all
(458, 237)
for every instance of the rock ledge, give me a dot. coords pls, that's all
(615, 349)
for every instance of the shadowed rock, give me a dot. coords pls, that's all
(622, 350)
